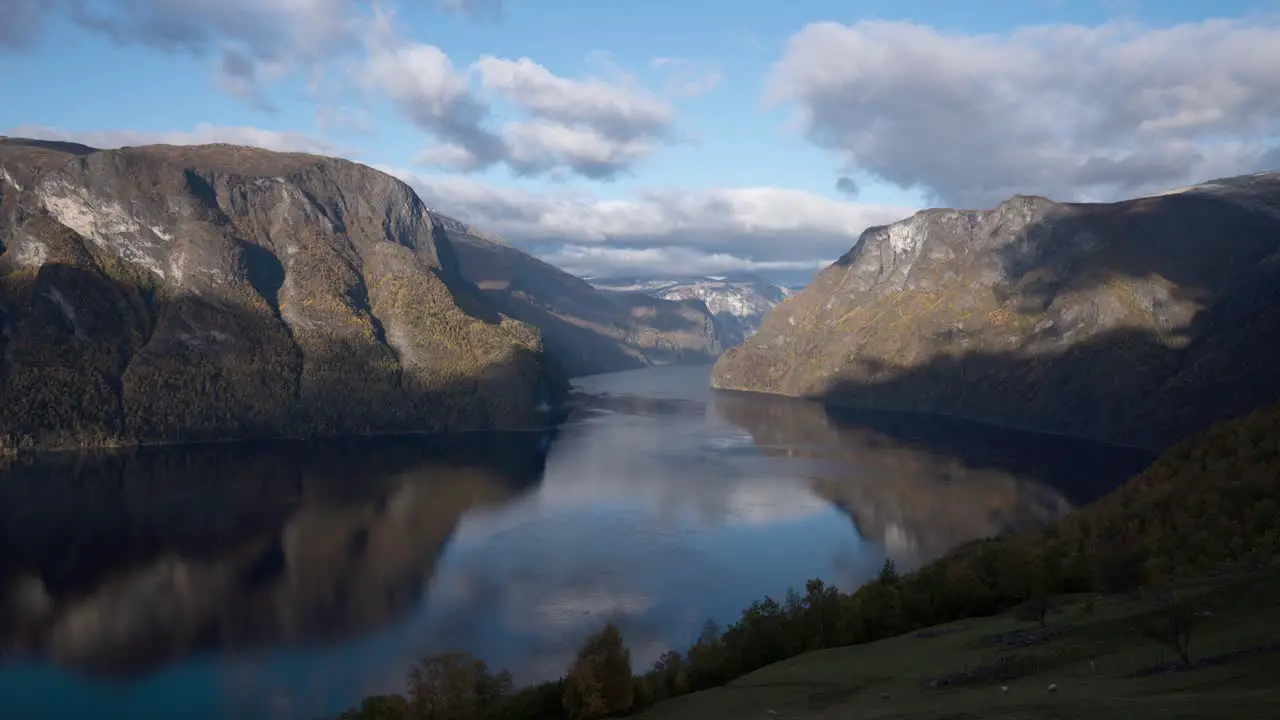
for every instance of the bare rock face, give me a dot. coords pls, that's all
(586, 330)
(179, 293)
(1136, 322)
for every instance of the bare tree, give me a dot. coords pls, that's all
(1173, 623)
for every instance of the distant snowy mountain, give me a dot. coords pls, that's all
(584, 329)
(738, 302)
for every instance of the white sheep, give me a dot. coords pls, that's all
(1053, 688)
(1004, 689)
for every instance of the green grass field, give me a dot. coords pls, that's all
(891, 678)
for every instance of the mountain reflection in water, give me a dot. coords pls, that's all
(920, 486)
(290, 579)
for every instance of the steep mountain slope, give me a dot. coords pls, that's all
(179, 293)
(739, 303)
(1136, 322)
(586, 331)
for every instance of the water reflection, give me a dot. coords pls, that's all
(651, 513)
(920, 486)
(290, 580)
(119, 564)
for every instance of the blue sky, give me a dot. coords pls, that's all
(710, 136)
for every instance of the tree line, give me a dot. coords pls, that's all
(1207, 501)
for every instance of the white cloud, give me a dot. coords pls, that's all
(620, 112)
(246, 34)
(421, 81)
(539, 146)
(281, 141)
(718, 230)
(591, 128)
(594, 128)
(601, 261)
(1068, 111)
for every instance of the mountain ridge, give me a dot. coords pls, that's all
(738, 301)
(1104, 320)
(587, 331)
(176, 293)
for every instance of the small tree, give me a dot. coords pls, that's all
(599, 682)
(672, 671)
(710, 633)
(1173, 623)
(454, 686)
(888, 573)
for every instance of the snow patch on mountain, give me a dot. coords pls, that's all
(738, 304)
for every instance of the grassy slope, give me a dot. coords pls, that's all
(889, 678)
(1206, 503)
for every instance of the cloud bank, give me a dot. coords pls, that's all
(1071, 112)
(1067, 111)
(776, 231)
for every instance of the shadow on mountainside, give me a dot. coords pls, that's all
(242, 293)
(1201, 242)
(91, 359)
(1124, 386)
(1186, 287)
(1175, 237)
(579, 350)
(578, 324)
(587, 330)
(178, 551)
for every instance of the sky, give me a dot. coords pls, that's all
(675, 136)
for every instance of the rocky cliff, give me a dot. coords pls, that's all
(739, 304)
(586, 330)
(1135, 322)
(185, 293)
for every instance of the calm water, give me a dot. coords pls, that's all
(290, 580)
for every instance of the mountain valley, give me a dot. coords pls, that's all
(738, 303)
(587, 331)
